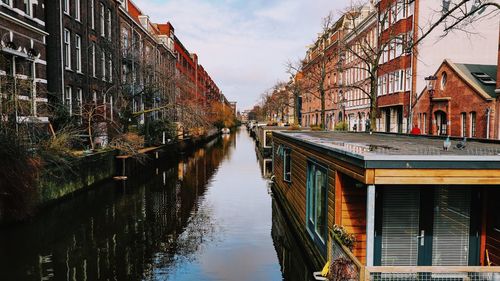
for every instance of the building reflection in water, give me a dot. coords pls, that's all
(132, 232)
(294, 265)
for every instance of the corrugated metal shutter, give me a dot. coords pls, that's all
(450, 242)
(400, 226)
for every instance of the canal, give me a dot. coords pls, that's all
(205, 215)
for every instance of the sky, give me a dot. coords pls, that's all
(244, 44)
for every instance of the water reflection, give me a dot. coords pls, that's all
(121, 233)
(206, 215)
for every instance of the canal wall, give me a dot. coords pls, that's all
(88, 171)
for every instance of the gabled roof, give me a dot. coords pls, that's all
(465, 71)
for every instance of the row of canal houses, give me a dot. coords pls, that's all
(381, 41)
(420, 207)
(80, 52)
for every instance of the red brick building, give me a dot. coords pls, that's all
(323, 56)
(463, 103)
(401, 71)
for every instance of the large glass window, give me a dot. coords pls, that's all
(317, 208)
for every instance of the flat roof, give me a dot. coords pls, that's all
(380, 150)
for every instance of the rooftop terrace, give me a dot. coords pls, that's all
(380, 150)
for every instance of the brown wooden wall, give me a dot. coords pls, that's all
(352, 212)
(295, 192)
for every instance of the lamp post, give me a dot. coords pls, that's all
(431, 83)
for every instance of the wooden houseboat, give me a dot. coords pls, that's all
(264, 136)
(415, 208)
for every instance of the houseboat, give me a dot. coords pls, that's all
(419, 207)
(264, 136)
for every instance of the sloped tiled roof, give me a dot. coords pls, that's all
(466, 70)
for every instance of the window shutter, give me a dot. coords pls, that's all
(450, 243)
(400, 227)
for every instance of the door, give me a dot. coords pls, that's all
(426, 226)
(400, 227)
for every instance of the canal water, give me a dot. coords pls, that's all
(206, 215)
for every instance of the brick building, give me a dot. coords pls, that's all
(401, 72)
(321, 68)
(462, 104)
(147, 59)
(359, 41)
(23, 62)
(82, 54)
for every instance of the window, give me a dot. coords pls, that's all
(67, 49)
(78, 47)
(444, 77)
(77, 10)
(396, 81)
(384, 84)
(472, 125)
(424, 123)
(110, 65)
(101, 19)
(103, 66)
(68, 100)
(391, 83)
(93, 59)
(92, 14)
(7, 2)
(463, 120)
(79, 104)
(287, 165)
(317, 206)
(410, 6)
(109, 23)
(28, 9)
(66, 7)
(408, 79)
(94, 97)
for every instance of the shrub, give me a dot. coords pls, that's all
(315, 128)
(341, 126)
(18, 188)
(154, 134)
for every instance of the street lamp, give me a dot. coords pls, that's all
(431, 83)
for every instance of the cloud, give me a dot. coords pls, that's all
(243, 44)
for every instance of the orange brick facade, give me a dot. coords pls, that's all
(457, 109)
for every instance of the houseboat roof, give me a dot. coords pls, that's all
(396, 151)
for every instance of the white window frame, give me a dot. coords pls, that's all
(102, 20)
(68, 99)
(92, 13)
(79, 102)
(78, 49)
(109, 23)
(110, 65)
(66, 7)
(408, 79)
(29, 7)
(6, 2)
(93, 50)
(472, 124)
(78, 10)
(103, 66)
(463, 124)
(67, 49)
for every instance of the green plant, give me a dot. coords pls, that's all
(154, 135)
(316, 128)
(347, 239)
(341, 126)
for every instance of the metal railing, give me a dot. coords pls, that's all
(343, 262)
(432, 273)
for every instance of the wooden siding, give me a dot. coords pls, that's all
(295, 192)
(436, 177)
(351, 199)
(353, 213)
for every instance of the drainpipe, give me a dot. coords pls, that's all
(488, 113)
